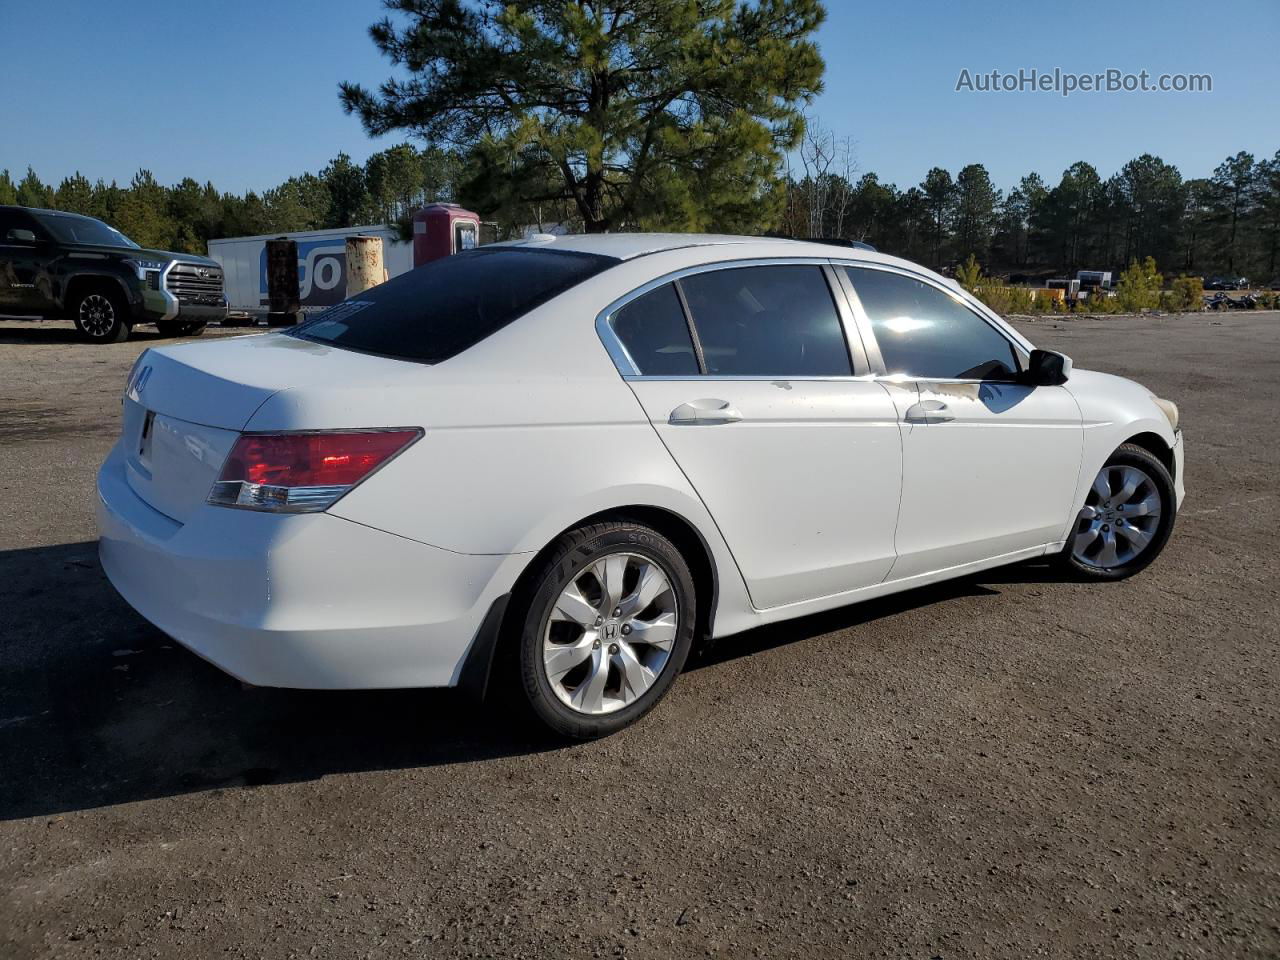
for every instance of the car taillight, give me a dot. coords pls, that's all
(303, 472)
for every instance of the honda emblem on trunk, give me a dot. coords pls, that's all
(140, 380)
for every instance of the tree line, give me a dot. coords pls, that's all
(184, 217)
(1227, 223)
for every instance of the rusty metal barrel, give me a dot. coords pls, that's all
(284, 302)
(365, 266)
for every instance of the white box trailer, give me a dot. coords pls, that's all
(1094, 278)
(322, 265)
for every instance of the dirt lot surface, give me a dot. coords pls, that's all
(1008, 766)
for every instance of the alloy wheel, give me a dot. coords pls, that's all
(610, 633)
(97, 315)
(1119, 519)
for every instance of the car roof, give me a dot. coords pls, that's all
(52, 213)
(628, 246)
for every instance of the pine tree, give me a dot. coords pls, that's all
(1234, 183)
(644, 113)
(976, 200)
(75, 194)
(32, 192)
(349, 202)
(1154, 198)
(1268, 194)
(939, 193)
(143, 214)
(1065, 217)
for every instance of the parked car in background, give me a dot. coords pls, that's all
(556, 463)
(1227, 283)
(62, 265)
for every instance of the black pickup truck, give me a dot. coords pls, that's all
(63, 265)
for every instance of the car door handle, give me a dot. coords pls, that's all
(704, 412)
(928, 411)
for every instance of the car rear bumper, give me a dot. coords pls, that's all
(306, 600)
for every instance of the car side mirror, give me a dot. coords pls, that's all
(18, 235)
(1046, 368)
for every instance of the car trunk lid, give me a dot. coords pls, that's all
(184, 406)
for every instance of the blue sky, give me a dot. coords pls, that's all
(245, 93)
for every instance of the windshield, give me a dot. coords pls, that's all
(436, 311)
(68, 228)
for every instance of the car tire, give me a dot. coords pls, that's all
(180, 328)
(582, 666)
(1126, 519)
(101, 315)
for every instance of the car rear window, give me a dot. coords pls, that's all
(436, 311)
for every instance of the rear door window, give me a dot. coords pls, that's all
(925, 333)
(767, 321)
(436, 311)
(14, 220)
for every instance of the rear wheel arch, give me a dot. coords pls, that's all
(496, 641)
(686, 537)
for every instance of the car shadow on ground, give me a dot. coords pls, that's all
(41, 333)
(97, 707)
(47, 332)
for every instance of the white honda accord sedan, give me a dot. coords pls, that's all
(561, 461)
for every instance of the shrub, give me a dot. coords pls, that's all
(969, 276)
(1005, 300)
(1186, 293)
(1098, 303)
(1139, 287)
(1002, 299)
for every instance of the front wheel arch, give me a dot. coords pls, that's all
(120, 322)
(1156, 445)
(108, 282)
(1157, 476)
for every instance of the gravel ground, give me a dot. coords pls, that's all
(1007, 766)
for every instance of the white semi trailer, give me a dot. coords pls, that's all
(322, 265)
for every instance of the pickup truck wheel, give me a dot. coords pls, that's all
(100, 316)
(180, 328)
